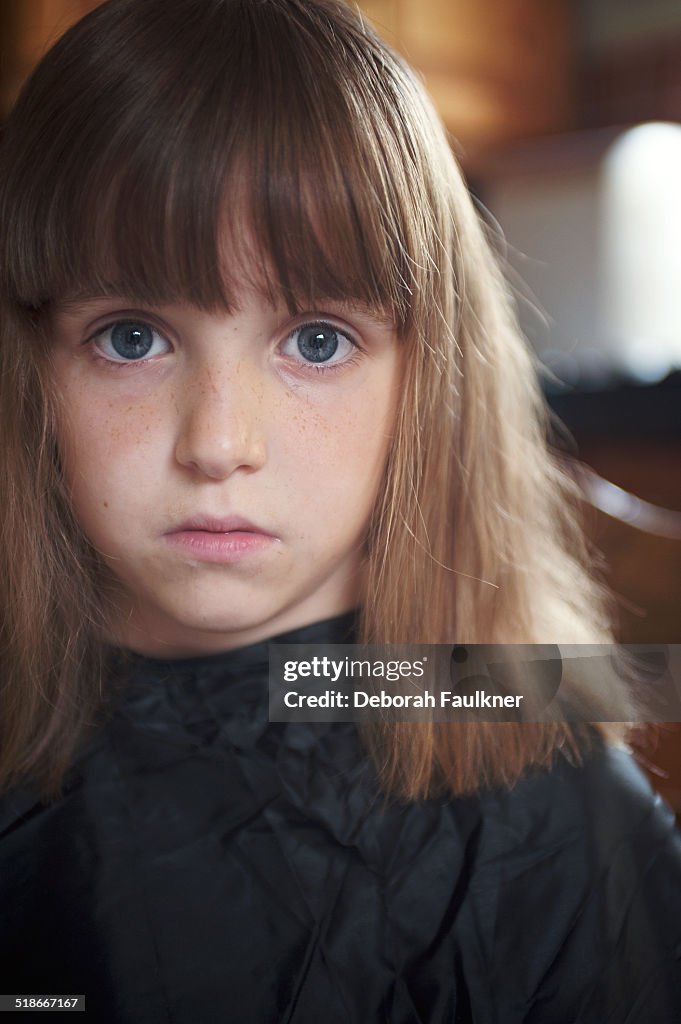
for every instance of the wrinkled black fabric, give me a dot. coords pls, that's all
(205, 865)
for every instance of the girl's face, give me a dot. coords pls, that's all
(224, 465)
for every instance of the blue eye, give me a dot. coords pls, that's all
(132, 341)
(319, 343)
(129, 341)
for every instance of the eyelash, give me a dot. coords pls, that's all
(319, 368)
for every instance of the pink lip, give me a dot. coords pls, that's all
(224, 541)
(213, 524)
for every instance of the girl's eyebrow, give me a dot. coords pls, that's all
(81, 303)
(380, 316)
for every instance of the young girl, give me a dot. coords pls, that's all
(260, 379)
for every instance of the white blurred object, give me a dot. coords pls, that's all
(593, 224)
(641, 246)
(629, 508)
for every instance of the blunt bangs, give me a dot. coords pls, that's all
(181, 151)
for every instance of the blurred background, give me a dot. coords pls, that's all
(566, 118)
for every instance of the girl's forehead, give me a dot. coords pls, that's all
(91, 305)
(245, 295)
(249, 276)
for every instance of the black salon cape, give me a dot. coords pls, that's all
(205, 866)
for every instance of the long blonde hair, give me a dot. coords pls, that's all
(128, 152)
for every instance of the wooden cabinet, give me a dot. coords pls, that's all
(497, 69)
(644, 571)
(27, 29)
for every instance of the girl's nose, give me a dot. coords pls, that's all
(221, 428)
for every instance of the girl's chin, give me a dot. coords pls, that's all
(192, 636)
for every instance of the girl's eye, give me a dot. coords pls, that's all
(129, 341)
(319, 343)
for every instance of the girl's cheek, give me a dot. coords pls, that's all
(95, 440)
(318, 435)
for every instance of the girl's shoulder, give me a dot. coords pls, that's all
(574, 897)
(600, 805)
(605, 800)
(560, 896)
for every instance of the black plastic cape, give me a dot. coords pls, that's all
(205, 865)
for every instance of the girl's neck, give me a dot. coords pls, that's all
(338, 627)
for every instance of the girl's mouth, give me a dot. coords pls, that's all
(219, 540)
(217, 524)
